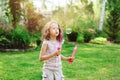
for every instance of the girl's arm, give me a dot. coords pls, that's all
(43, 57)
(69, 59)
(65, 58)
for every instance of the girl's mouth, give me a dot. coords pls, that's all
(56, 32)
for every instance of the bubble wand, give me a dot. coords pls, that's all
(73, 54)
(69, 31)
(60, 41)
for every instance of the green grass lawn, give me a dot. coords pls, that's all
(92, 62)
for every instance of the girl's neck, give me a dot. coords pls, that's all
(53, 38)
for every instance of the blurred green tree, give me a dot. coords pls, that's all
(113, 20)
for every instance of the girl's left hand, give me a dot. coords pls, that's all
(70, 59)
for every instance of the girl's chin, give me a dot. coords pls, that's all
(56, 34)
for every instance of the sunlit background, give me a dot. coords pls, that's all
(52, 4)
(93, 24)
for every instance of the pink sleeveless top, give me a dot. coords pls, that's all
(53, 63)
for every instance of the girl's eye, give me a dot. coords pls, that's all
(55, 28)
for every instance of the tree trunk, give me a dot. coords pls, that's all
(15, 11)
(102, 16)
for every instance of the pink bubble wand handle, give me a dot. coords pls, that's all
(60, 40)
(73, 54)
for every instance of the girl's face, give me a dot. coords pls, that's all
(54, 30)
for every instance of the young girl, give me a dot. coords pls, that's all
(50, 54)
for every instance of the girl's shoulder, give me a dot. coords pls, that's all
(63, 41)
(45, 41)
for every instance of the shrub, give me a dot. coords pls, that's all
(36, 38)
(4, 42)
(20, 37)
(73, 36)
(88, 34)
(5, 36)
(116, 41)
(1, 32)
(80, 39)
(99, 40)
(100, 33)
(14, 38)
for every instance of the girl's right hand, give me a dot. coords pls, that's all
(57, 53)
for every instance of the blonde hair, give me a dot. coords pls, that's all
(46, 31)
